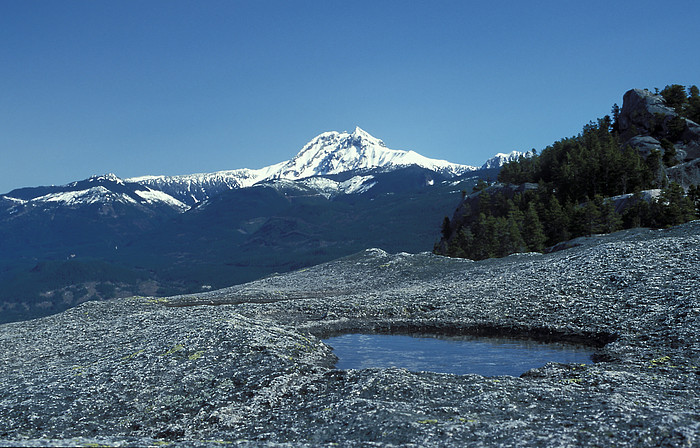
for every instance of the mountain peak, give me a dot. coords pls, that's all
(109, 177)
(336, 152)
(501, 159)
(328, 153)
(360, 134)
(97, 179)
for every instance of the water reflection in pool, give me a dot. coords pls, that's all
(483, 356)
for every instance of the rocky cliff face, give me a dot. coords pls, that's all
(645, 122)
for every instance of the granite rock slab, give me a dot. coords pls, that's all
(246, 365)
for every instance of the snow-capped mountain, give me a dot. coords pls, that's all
(195, 188)
(335, 152)
(106, 236)
(324, 186)
(327, 154)
(332, 163)
(102, 190)
(501, 159)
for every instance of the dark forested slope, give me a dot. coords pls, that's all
(636, 168)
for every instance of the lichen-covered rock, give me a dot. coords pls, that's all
(645, 144)
(686, 174)
(245, 364)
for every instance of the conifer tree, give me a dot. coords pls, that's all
(615, 118)
(509, 238)
(675, 97)
(568, 173)
(692, 111)
(586, 219)
(557, 222)
(694, 196)
(610, 221)
(533, 232)
(673, 207)
(446, 228)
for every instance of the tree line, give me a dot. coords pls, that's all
(572, 188)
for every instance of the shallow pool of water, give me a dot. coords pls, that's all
(483, 356)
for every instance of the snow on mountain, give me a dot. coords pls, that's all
(335, 152)
(92, 195)
(501, 159)
(102, 189)
(195, 188)
(150, 196)
(14, 201)
(328, 153)
(99, 179)
(325, 186)
(357, 184)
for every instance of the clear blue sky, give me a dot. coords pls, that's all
(177, 87)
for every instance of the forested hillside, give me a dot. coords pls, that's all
(595, 182)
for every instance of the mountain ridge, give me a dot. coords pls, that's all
(100, 189)
(329, 153)
(105, 236)
(501, 159)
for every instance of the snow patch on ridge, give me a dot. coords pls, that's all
(327, 188)
(14, 200)
(357, 184)
(92, 195)
(154, 196)
(354, 185)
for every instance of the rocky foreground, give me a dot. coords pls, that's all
(246, 364)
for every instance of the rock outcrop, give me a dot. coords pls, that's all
(645, 121)
(686, 174)
(246, 365)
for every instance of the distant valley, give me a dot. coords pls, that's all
(107, 237)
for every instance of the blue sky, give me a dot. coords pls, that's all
(177, 87)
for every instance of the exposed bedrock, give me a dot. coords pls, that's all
(646, 121)
(246, 363)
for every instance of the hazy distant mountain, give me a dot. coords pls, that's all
(330, 153)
